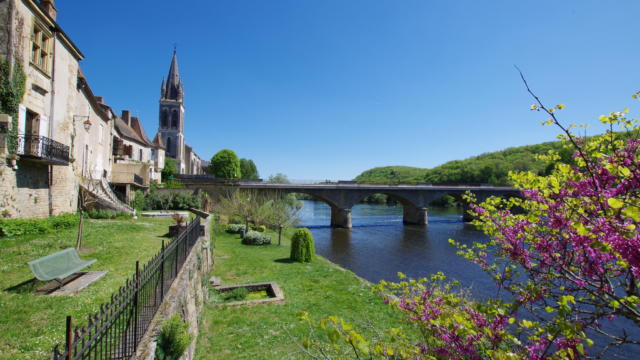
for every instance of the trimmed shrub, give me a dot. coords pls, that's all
(302, 246)
(173, 339)
(17, 227)
(259, 228)
(256, 238)
(235, 228)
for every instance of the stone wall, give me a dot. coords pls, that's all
(185, 297)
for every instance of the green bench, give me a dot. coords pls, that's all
(58, 266)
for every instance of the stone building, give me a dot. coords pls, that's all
(40, 181)
(137, 161)
(171, 122)
(92, 133)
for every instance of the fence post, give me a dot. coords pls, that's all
(69, 338)
(135, 304)
(162, 273)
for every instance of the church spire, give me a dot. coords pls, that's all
(173, 88)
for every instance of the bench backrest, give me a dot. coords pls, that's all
(51, 266)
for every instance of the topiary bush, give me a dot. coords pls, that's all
(302, 246)
(235, 228)
(259, 228)
(256, 238)
(173, 339)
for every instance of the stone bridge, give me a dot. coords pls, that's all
(341, 197)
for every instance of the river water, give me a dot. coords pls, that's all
(379, 246)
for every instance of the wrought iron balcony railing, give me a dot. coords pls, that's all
(43, 149)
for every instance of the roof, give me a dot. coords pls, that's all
(37, 9)
(129, 133)
(172, 89)
(157, 141)
(86, 89)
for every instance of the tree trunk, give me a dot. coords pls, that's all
(279, 235)
(80, 231)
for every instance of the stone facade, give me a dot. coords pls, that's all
(38, 187)
(185, 297)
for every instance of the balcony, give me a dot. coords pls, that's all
(42, 149)
(132, 173)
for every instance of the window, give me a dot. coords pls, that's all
(163, 119)
(174, 119)
(140, 154)
(41, 48)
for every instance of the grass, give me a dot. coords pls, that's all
(32, 324)
(270, 331)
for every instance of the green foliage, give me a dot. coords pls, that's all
(165, 200)
(235, 228)
(237, 294)
(445, 201)
(278, 178)
(490, 168)
(379, 199)
(170, 169)
(259, 228)
(256, 238)
(302, 246)
(12, 88)
(391, 175)
(173, 339)
(173, 184)
(248, 169)
(15, 227)
(107, 214)
(225, 165)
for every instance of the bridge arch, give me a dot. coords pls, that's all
(414, 212)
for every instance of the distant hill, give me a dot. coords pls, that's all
(392, 175)
(489, 168)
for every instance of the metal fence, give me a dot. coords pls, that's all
(115, 331)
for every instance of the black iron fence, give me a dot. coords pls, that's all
(43, 148)
(115, 331)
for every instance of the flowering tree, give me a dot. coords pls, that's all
(567, 250)
(571, 254)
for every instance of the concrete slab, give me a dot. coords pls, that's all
(79, 283)
(163, 213)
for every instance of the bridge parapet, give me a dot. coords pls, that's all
(341, 197)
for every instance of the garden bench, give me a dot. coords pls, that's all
(58, 266)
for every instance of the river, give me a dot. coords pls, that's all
(379, 246)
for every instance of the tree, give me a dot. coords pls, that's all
(282, 212)
(225, 165)
(170, 170)
(248, 169)
(278, 178)
(249, 205)
(302, 246)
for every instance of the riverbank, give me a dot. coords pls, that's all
(270, 331)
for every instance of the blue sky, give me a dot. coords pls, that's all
(327, 89)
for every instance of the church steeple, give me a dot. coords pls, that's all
(173, 89)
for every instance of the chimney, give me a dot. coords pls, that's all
(126, 116)
(49, 8)
(100, 99)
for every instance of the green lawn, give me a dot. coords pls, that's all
(269, 331)
(30, 324)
